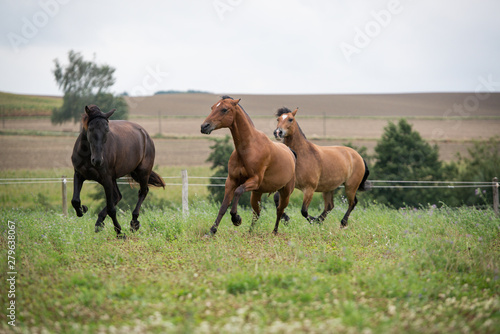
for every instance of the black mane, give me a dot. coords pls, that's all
(248, 116)
(282, 110)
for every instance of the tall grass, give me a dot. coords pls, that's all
(431, 270)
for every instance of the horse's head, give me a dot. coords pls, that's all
(286, 123)
(95, 123)
(222, 115)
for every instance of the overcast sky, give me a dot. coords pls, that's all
(256, 46)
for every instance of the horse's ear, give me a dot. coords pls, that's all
(85, 120)
(87, 110)
(109, 113)
(235, 102)
(295, 111)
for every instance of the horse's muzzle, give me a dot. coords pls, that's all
(278, 133)
(207, 128)
(96, 162)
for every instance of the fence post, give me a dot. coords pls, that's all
(64, 196)
(185, 186)
(495, 195)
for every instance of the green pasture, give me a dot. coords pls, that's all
(14, 105)
(427, 270)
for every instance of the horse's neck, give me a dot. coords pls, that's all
(297, 141)
(243, 131)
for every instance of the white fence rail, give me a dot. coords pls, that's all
(185, 184)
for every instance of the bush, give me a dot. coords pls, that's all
(402, 154)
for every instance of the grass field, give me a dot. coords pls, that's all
(431, 270)
(14, 105)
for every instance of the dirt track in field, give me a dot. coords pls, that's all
(359, 119)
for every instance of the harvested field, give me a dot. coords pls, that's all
(45, 152)
(389, 105)
(334, 128)
(328, 119)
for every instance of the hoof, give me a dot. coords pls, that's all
(285, 217)
(99, 228)
(212, 231)
(236, 219)
(84, 209)
(121, 236)
(134, 225)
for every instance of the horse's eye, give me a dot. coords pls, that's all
(290, 120)
(224, 110)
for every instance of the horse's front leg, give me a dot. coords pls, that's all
(78, 180)
(112, 197)
(249, 185)
(228, 196)
(308, 195)
(284, 197)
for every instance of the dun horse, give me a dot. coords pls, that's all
(257, 164)
(321, 168)
(107, 150)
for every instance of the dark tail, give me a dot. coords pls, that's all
(365, 185)
(156, 180)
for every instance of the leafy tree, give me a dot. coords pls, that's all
(219, 157)
(402, 154)
(481, 165)
(83, 83)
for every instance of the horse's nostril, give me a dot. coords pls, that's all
(205, 128)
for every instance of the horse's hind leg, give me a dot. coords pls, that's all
(255, 203)
(352, 200)
(143, 192)
(328, 199)
(285, 217)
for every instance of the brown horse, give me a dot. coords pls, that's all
(321, 168)
(257, 164)
(107, 150)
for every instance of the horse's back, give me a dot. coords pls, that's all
(339, 164)
(131, 145)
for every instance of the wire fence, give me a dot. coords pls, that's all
(388, 184)
(185, 184)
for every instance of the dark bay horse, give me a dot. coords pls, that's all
(257, 164)
(321, 168)
(106, 150)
